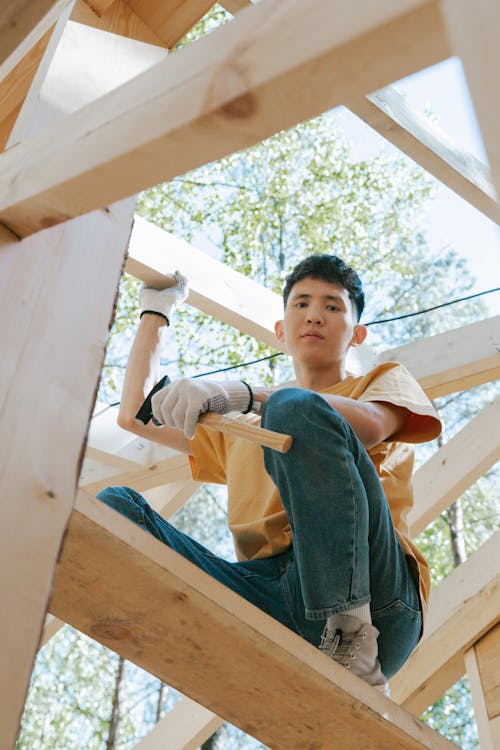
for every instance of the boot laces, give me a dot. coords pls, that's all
(342, 647)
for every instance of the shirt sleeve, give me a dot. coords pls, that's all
(208, 456)
(395, 385)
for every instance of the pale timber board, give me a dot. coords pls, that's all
(160, 611)
(488, 658)
(22, 24)
(473, 33)
(45, 56)
(452, 361)
(52, 357)
(144, 477)
(388, 112)
(478, 702)
(455, 467)
(227, 91)
(185, 727)
(214, 287)
(462, 608)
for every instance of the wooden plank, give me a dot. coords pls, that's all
(389, 113)
(483, 669)
(22, 24)
(455, 467)
(37, 80)
(171, 469)
(232, 88)
(51, 626)
(170, 19)
(117, 18)
(168, 499)
(48, 378)
(452, 361)
(234, 6)
(214, 287)
(462, 609)
(488, 658)
(185, 727)
(235, 660)
(15, 86)
(473, 33)
(100, 6)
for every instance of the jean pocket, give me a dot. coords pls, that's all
(400, 627)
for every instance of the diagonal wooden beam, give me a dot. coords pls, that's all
(389, 113)
(236, 661)
(215, 288)
(455, 467)
(22, 24)
(231, 89)
(117, 18)
(452, 361)
(462, 608)
(483, 669)
(473, 33)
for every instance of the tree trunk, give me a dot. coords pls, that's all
(457, 541)
(115, 708)
(159, 704)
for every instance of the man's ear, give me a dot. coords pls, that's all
(279, 330)
(359, 335)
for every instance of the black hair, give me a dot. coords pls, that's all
(328, 268)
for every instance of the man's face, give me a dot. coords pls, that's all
(319, 324)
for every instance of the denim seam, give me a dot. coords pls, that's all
(288, 598)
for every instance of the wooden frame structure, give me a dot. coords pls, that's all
(76, 143)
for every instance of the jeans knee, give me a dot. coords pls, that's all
(290, 407)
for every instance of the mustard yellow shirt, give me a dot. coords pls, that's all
(256, 516)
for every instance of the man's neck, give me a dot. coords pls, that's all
(319, 379)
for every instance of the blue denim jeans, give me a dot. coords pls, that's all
(345, 552)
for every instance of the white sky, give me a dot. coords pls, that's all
(442, 89)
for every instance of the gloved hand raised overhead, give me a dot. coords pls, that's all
(181, 402)
(164, 301)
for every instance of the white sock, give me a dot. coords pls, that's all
(362, 613)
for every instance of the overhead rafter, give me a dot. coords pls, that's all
(248, 661)
(227, 91)
(117, 18)
(455, 467)
(462, 608)
(473, 33)
(452, 361)
(22, 24)
(389, 113)
(170, 19)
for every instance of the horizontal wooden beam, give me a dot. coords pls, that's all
(122, 587)
(452, 361)
(214, 287)
(455, 467)
(185, 727)
(22, 24)
(389, 113)
(232, 88)
(462, 608)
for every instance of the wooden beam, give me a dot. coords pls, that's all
(160, 611)
(234, 6)
(455, 467)
(389, 113)
(483, 669)
(473, 33)
(170, 19)
(38, 77)
(168, 470)
(185, 727)
(117, 18)
(462, 609)
(231, 89)
(40, 451)
(22, 24)
(452, 361)
(215, 288)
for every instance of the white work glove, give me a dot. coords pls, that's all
(181, 402)
(164, 301)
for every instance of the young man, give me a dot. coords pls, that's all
(320, 531)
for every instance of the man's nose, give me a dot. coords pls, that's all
(314, 316)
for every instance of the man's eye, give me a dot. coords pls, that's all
(301, 304)
(332, 307)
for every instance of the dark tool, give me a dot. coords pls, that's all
(145, 413)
